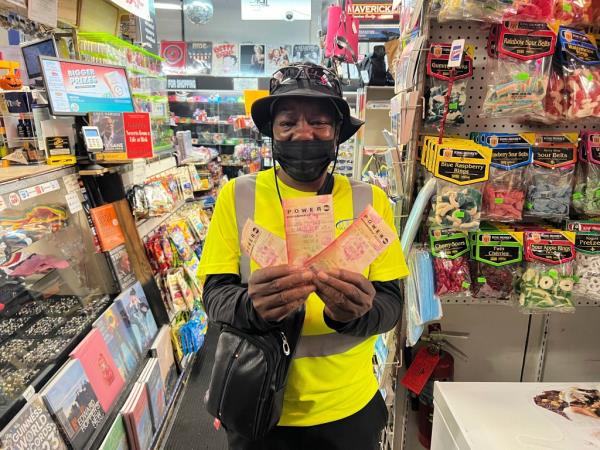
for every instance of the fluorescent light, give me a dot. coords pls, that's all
(160, 5)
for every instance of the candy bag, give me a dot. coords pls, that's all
(551, 178)
(481, 10)
(504, 192)
(495, 264)
(587, 263)
(521, 70)
(548, 280)
(159, 201)
(556, 101)
(450, 250)
(533, 10)
(586, 194)
(580, 60)
(439, 78)
(457, 207)
(573, 12)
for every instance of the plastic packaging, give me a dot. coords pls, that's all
(159, 200)
(520, 71)
(138, 202)
(549, 276)
(556, 102)
(534, 10)
(586, 194)
(450, 250)
(587, 262)
(573, 12)
(481, 10)
(457, 207)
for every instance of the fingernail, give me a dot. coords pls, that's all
(323, 276)
(307, 276)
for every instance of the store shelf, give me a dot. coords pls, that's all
(147, 226)
(14, 173)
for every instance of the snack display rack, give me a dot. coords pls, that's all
(503, 344)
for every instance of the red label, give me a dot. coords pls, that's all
(550, 248)
(174, 53)
(138, 135)
(420, 370)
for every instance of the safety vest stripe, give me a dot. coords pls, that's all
(326, 344)
(362, 196)
(245, 204)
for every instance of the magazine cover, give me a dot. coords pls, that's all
(112, 130)
(71, 400)
(199, 57)
(138, 418)
(116, 438)
(122, 266)
(278, 56)
(19, 435)
(307, 53)
(117, 333)
(134, 304)
(156, 391)
(225, 59)
(252, 59)
(100, 368)
(162, 349)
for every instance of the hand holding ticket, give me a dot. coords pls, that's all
(358, 246)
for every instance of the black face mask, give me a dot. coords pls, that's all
(304, 161)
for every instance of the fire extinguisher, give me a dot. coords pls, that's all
(444, 371)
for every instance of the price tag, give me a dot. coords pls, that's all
(73, 202)
(420, 370)
(456, 53)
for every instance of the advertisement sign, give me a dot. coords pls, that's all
(174, 53)
(138, 135)
(140, 8)
(147, 31)
(199, 57)
(76, 88)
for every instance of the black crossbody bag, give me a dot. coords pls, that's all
(248, 380)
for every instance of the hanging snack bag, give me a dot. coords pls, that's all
(450, 251)
(461, 167)
(521, 70)
(586, 195)
(580, 60)
(556, 102)
(573, 12)
(551, 176)
(587, 266)
(504, 192)
(440, 78)
(549, 275)
(533, 10)
(495, 264)
(481, 10)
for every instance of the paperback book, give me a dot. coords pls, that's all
(100, 368)
(156, 391)
(122, 267)
(116, 438)
(135, 306)
(71, 400)
(32, 428)
(138, 418)
(162, 350)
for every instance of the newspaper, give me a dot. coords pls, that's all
(265, 248)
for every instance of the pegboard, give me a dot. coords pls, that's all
(476, 34)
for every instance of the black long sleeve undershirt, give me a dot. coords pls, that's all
(226, 301)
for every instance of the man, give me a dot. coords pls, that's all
(107, 131)
(331, 399)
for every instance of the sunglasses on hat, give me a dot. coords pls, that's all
(314, 75)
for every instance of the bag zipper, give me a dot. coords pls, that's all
(227, 377)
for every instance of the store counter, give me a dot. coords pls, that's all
(516, 416)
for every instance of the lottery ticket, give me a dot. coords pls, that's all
(357, 247)
(309, 226)
(265, 248)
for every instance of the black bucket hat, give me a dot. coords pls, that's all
(304, 80)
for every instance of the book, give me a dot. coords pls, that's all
(32, 428)
(116, 438)
(107, 226)
(225, 59)
(151, 377)
(112, 130)
(122, 267)
(71, 400)
(136, 308)
(100, 368)
(138, 418)
(162, 350)
(116, 331)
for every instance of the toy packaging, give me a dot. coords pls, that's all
(551, 176)
(496, 258)
(586, 194)
(549, 275)
(520, 63)
(461, 166)
(504, 192)
(450, 251)
(440, 76)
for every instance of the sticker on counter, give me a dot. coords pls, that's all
(40, 189)
(73, 202)
(14, 199)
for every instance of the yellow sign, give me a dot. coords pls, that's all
(251, 95)
(61, 160)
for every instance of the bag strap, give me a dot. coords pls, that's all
(245, 204)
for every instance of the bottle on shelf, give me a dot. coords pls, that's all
(28, 128)
(21, 131)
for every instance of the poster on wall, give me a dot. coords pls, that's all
(278, 56)
(252, 59)
(225, 59)
(111, 130)
(307, 53)
(174, 53)
(199, 57)
(138, 135)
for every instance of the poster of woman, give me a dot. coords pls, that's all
(278, 56)
(252, 59)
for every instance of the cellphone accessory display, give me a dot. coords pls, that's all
(521, 58)
(450, 251)
(549, 276)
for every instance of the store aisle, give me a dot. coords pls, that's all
(192, 427)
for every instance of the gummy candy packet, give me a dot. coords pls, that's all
(587, 266)
(449, 250)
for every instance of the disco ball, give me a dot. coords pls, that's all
(198, 12)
